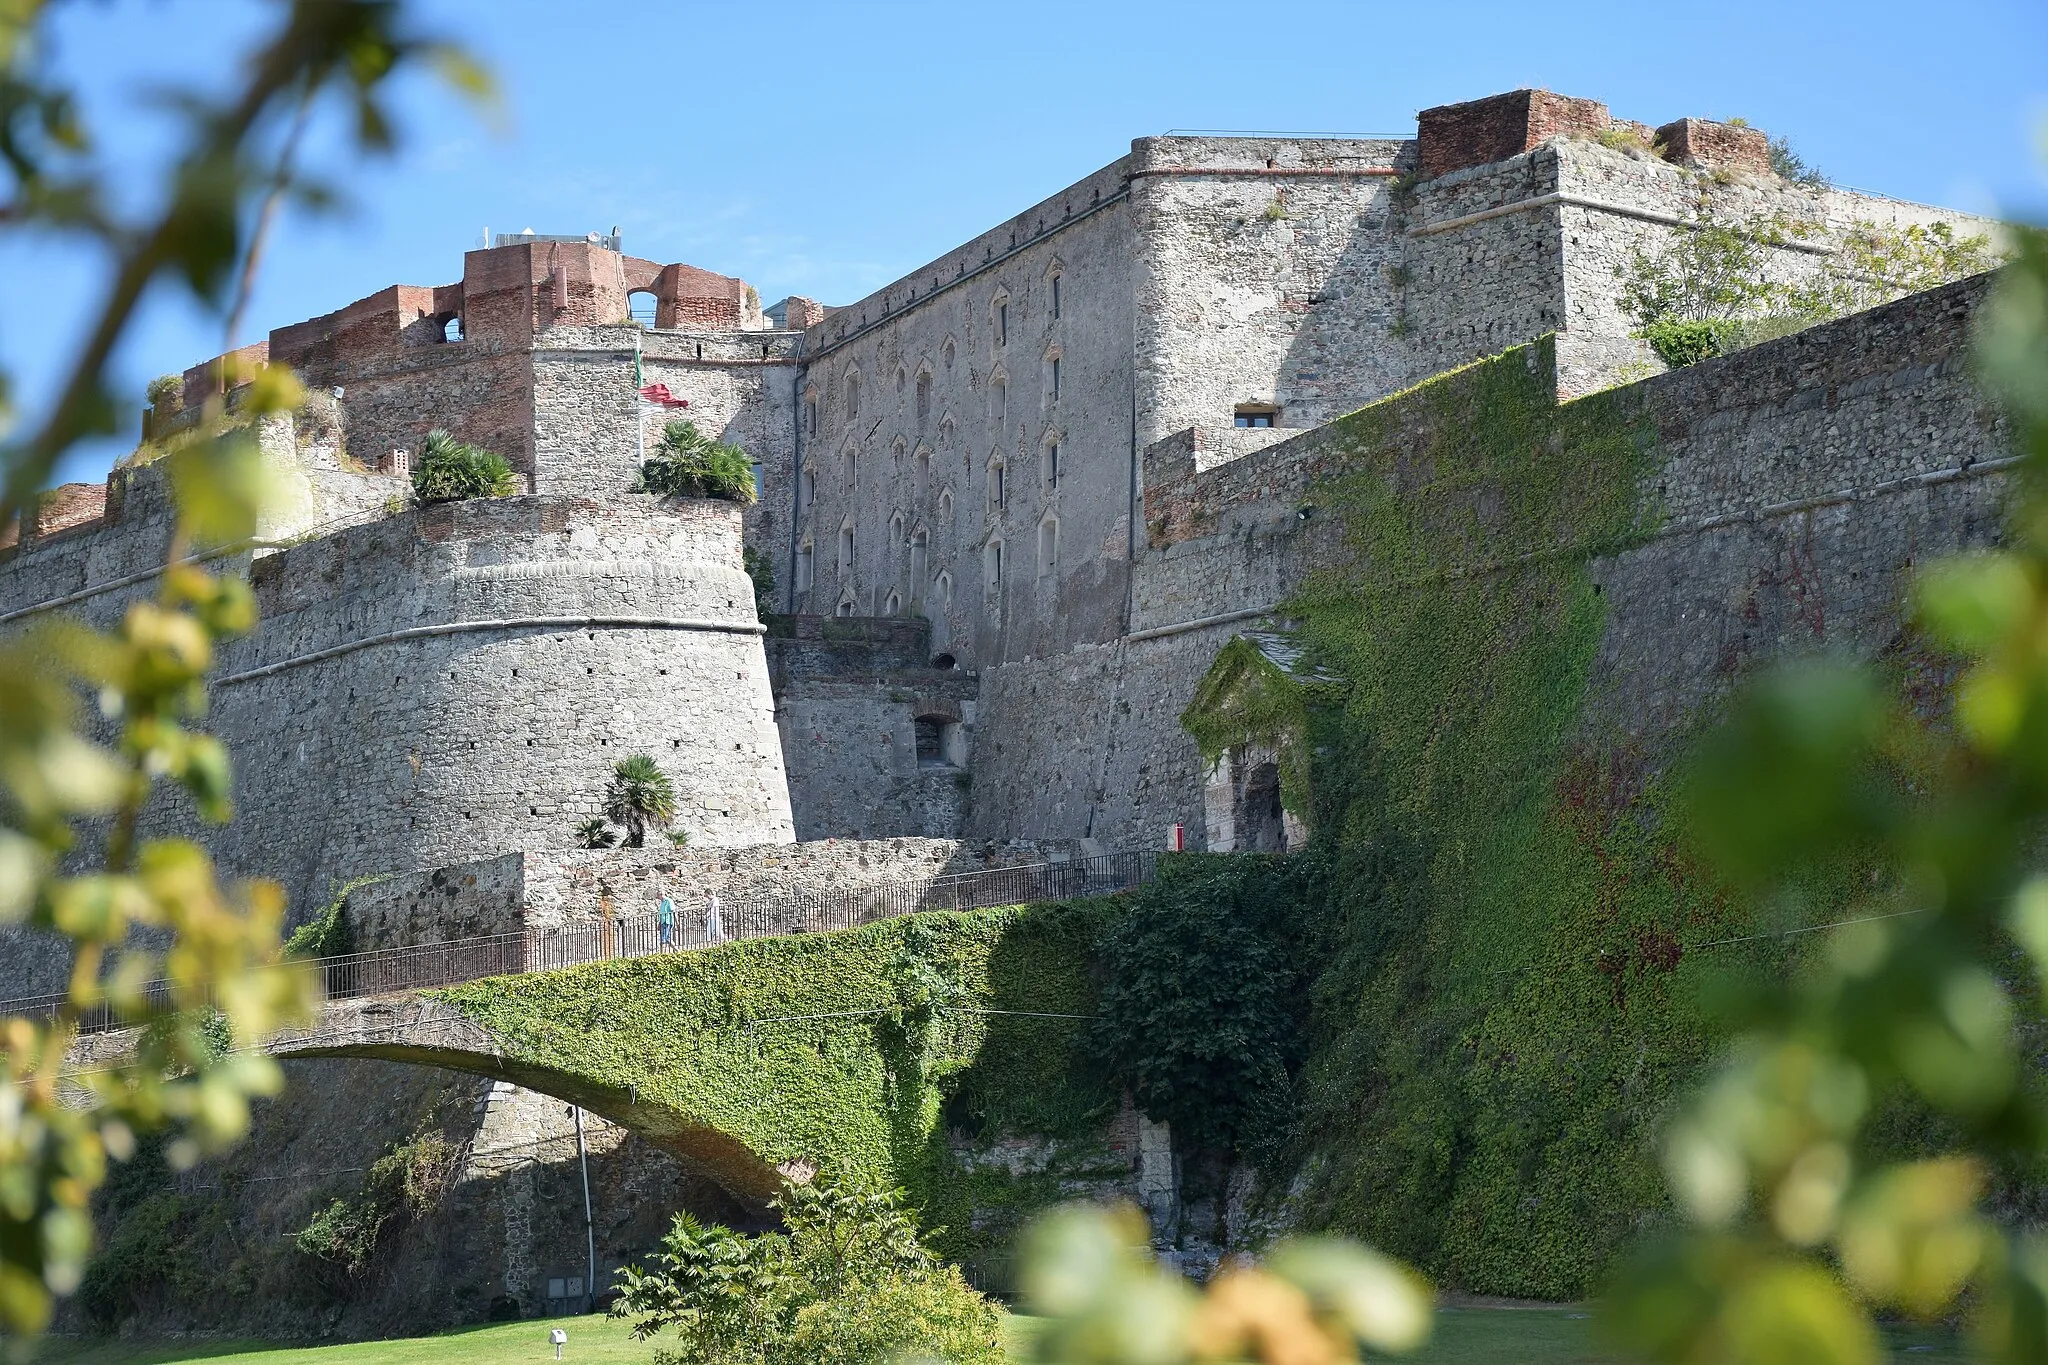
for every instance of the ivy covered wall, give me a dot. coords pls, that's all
(1536, 608)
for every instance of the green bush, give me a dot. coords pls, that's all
(1201, 1006)
(1687, 343)
(144, 1258)
(689, 464)
(450, 470)
(849, 1282)
(762, 572)
(331, 933)
(407, 1182)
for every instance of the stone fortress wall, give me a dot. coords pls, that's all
(969, 664)
(1797, 480)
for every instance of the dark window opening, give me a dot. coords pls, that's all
(1055, 298)
(930, 734)
(1248, 416)
(1002, 324)
(945, 661)
(1261, 827)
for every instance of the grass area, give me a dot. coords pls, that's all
(1464, 1336)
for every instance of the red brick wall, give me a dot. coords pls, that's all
(1720, 146)
(1452, 137)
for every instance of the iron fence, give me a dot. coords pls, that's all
(386, 971)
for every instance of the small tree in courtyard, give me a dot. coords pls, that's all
(638, 796)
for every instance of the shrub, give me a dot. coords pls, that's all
(762, 572)
(849, 1283)
(1201, 1012)
(330, 933)
(1680, 343)
(166, 390)
(689, 464)
(639, 795)
(407, 1182)
(594, 833)
(450, 470)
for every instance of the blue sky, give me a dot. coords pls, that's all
(825, 149)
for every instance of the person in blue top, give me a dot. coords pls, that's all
(665, 917)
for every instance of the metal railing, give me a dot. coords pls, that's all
(386, 971)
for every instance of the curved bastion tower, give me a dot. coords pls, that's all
(460, 680)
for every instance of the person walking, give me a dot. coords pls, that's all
(665, 920)
(714, 924)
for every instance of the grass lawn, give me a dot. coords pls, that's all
(1464, 1336)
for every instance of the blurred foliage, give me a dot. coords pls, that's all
(1314, 1301)
(73, 860)
(1801, 1230)
(847, 1282)
(450, 471)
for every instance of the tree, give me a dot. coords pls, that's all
(593, 833)
(73, 861)
(639, 795)
(450, 471)
(848, 1283)
(689, 464)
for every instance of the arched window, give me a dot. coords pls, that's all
(902, 377)
(893, 604)
(992, 567)
(1048, 547)
(924, 394)
(921, 474)
(947, 430)
(1052, 375)
(852, 394)
(999, 398)
(999, 317)
(451, 327)
(945, 505)
(852, 456)
(811, 413)
(995, 483)
(1049, 462)
(920, 544)
(806, 490)
(640, 306)
(898, 448)
(945, 586)
(896, 530)
(947, 352)
(846, 549)
(803, 566)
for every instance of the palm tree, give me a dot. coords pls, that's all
(592, 833)
(639, 795)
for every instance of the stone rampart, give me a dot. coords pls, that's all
(1794, 484)
(543, 889)
(460, 679)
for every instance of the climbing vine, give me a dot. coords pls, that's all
(1504, 1006)
(890, 1052)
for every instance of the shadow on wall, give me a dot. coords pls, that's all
(215, 1250)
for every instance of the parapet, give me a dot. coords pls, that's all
(63, 508)
(1704, 144)
(1455, 137)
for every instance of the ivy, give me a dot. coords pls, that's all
(862, 1049)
